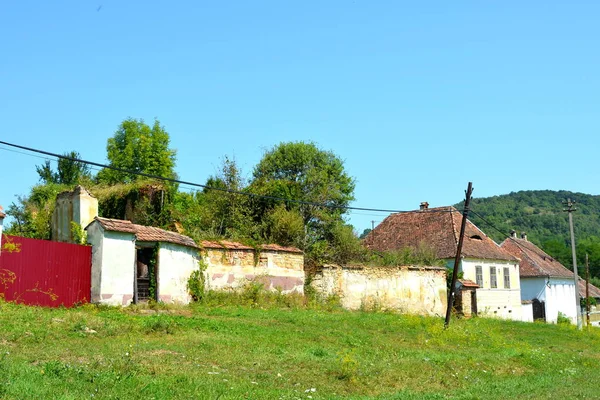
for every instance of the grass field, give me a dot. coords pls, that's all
(220, 350)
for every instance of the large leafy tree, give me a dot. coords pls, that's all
(301, 171)
(138, 147)
(68, 172)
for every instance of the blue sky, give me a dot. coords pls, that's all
(417, 98)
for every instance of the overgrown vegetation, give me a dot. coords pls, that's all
(242, 346)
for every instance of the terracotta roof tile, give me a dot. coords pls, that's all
(468, 283)
(145, 233)
(276, 247)
(594, 291)
(534, 261)
(438, 228)
(224, 244)
(2, 214)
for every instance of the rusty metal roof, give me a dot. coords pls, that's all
(145, 233)
(437, 228)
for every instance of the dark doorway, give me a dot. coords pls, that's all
(145, 275)
(474, 302)
(539, 310)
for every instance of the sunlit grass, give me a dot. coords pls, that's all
(239, 347)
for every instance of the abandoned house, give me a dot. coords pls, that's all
(133, 263)
(490, 282)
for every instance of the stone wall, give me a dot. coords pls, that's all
(235, 268)
(414, 290)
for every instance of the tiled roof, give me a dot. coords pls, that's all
(224, 244)
(437, 228)
(276, 247)
(2, 214)
(534, 261)
(594, 291)
(145, 233)
(468, 283)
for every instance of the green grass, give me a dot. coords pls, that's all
(265, 350)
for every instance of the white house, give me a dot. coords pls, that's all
(544, 281)
(489, 271)
(132, 263)
(2, 215)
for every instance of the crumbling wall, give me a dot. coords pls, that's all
(415, 290)
(230, 269)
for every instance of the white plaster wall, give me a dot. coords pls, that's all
(113, 264)
(176, 264)
(1, 223)
(400, 288)
(533, 288)
(497, 302)
(560, 297)
(527, 312)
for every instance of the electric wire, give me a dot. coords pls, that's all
(198, 185)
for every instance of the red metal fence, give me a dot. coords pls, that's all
(44, 273)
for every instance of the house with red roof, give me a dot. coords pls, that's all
(489, 271)
(545, 282)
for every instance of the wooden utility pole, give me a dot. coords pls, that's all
(451, 294)
(570, 208)
(587, 290)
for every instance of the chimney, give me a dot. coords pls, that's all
(513, 234)
(524, 236)
(424, 205)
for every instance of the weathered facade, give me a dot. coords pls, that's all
(414, 290)
(232, 265)
(77, 206)
(494, 270)
(132, 263)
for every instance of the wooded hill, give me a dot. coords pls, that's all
(540, 214)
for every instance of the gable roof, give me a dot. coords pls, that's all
(225, 244)
(145, 233)
(534, 261)
(594, 291)
(438, 228)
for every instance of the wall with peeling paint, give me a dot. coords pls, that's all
(113, 261)
(276, 270)
(411, 290)
(176, 264)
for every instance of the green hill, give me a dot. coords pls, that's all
(540, 214)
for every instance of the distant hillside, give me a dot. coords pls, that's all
(540, 214)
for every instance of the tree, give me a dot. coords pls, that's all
(138, 147)
(68, 172)
(302, 171)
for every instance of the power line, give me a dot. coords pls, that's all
(193, 184)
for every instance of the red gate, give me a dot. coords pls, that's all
(44, 273)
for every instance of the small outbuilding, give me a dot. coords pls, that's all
(133, 263)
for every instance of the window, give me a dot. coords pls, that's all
(493, 278)
(479, 276)
(506, 278)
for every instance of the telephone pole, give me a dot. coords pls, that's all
(587, 290)
(570, 207)
(451, 294)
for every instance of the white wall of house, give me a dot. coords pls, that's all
(1, 223)
(113, 263)
(176, 263)
(502, 302)
(558, 295)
